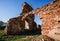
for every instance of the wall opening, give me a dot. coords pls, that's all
(38, 20)
(34, 28)
(39, 23)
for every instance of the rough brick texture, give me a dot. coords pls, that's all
(50, 16)
(51, 19)
(17, 26)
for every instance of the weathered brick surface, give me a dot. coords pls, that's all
(16, 25)
(50, 20)
(50, 16)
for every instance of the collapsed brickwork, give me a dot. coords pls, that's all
(30, 18)
(16, 25)
(50, 16)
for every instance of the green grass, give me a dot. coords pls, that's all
(15, 37)
(1, 32)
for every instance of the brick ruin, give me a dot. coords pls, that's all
(50, 16)
(17, 26)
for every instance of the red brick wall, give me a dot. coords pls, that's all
(50, 15)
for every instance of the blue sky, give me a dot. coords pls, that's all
(13, 8)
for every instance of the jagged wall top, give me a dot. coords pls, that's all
(50, 6)
(26, 7)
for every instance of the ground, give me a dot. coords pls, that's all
(16, 37)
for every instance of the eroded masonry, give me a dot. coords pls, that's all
(17, 26)
(50, 16)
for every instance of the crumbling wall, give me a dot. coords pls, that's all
(50, 16)
(17, 26)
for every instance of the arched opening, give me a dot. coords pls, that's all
(35, 27)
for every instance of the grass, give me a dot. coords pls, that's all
(16, 37)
